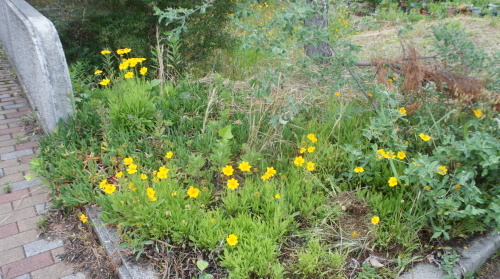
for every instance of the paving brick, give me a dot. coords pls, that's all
(2, 116)
(5, 137)
(8, 121)
(26, 159)
(4, 126)
(14, 124)
(15, 106)
(8, 230)
(23, 184)
(18, 215)
(9, 142)
(4, 180)
(8, 163)
(42, 189)
(16, 169)
(27, 109)
(11, 255)
(27, 265)
(16, 114)
(26, 145)
(7, 149)
(42, 208)
(25, 276)
(6, 103)
(18, 240)
(28, 224)
(21, 100)
(29, 201)
(5, 208)
(16, 195)
(57, 270)
(79, 275)
(40, 246)
(8, 111)
(16, 154)
(56, 253)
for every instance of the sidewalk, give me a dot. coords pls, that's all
(22, 253)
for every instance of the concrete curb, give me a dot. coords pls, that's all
(35, 51)
(110, 239)
(471, 260)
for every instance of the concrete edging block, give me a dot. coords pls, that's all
(470, 260)
(35, 51)
(110, 239)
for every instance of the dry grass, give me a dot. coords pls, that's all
(384, 41)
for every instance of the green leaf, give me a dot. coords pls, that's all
(202, 265)
(225, 133)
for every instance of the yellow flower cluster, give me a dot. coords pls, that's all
(270, 172)
(425, 137)
(381, 153)
(123, 51)
(442, 170)
(151, 194)
(130, 63)
(106, 187)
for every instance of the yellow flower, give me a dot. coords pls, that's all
(354, 234)
(212, 220)
(129, 75)
(123, 65)
(144, 176)
(393, 181)
(123, 51)
(109, 188)
(103, 184)
(478, 113)
(457, 186)
(375, 220)
(169, 154)
(299, 161)
(312, 138)
(84, 218)
(174, 193)
(310, 166)
(105, 81)
(151, 194)
(97, 72)
(302, 150)
(119, 174)
(155, 179)
(132, 168)
(424, 137)
(162, 173)
(193, 192)
(402, 110)
(105, 52)
(244, 166)
(232, 184)
(336, 93)
(370, 95)
(359, 169)
(278, 196)
(442, 170)
(427, 187)
(143, 70)
(232, 239)
(227, 170)
(266, 176)
(311, 149)
(271, 171)
(127, 161)
(401, 155)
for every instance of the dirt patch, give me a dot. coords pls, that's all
(81, 246)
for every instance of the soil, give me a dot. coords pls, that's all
(81, 246)
(490, 269)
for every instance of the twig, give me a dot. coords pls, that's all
(19, 203)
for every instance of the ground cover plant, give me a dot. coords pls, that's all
(282, 165)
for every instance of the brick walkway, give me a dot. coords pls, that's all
(22, 253)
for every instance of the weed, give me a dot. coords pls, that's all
(42, 223)
(7, 188)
